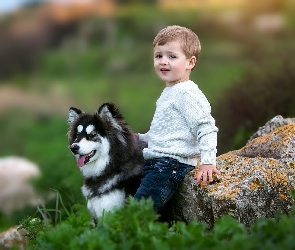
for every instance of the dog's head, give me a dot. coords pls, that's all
(90, 135)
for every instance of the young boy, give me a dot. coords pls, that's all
(182, 130)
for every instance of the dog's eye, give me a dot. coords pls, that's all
(92, 135)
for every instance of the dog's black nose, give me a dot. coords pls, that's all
(74, 148)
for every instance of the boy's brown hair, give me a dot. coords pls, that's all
(189, 41)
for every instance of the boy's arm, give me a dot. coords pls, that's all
(208, 157)
(207, 139)
(197, 110)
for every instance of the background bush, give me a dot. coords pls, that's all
(264, 91)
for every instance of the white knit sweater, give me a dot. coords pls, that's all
(182, 127)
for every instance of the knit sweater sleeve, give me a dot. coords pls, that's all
(196, 110)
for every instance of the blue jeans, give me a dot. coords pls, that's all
(160, 179)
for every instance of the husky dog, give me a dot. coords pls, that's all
(108, 155)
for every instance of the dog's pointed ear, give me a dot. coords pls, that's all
(74, 114)
(110, 112)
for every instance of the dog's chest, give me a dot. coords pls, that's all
(104, 202)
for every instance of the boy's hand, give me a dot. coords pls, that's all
(205, 171)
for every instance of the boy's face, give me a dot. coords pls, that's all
(171, 64)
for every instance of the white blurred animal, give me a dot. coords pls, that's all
(15, 191)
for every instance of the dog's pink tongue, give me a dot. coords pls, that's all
(81, 160)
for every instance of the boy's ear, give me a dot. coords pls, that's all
(192, 62)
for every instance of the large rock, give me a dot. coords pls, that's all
(256, 180)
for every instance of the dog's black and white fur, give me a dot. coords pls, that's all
(108, 155)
